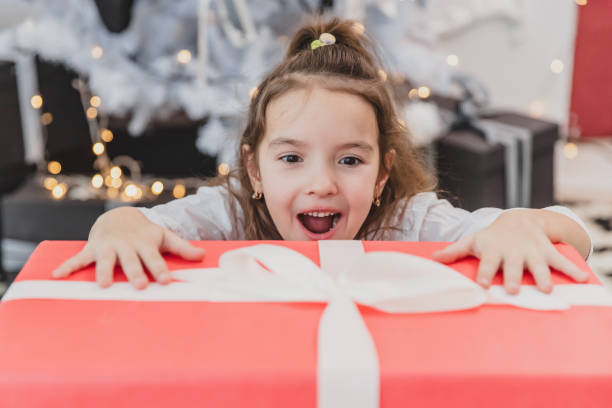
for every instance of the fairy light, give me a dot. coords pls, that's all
(115, 172)
(358, 28)
(581, 2)
(423, 92)
(183, 56)
(49, 183)
(382, 75)
(59, 191)
(95, 101)
(179, 191)
(98, 148)
(570, 150)
(132, 191)
(157, 187)
(106, 135)
(401, 122)
(112, 192)
(223, 169)
(97, 180)
(556, 66)
(536, 109)
(116, 182)
(97, 52)
(54, 167)
(413, 93)
(452, 60)
(46, 118)
(108, 181)
(91, 112)
(36, 101)
(253, 93)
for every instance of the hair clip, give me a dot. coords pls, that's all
(324, 39)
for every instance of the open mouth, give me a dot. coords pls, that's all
(319, 222)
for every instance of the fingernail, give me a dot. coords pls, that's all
(164, 277)
(140, 283)
(55, 274)
(512, 289)
(484, 282)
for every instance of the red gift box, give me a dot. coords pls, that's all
(100, 353)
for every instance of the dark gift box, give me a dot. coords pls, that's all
(477, 172)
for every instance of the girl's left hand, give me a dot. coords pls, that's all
(517, 240)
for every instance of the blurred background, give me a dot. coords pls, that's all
(134, 102)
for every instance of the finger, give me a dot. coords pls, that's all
(132, 268)
(154, 262)
(562, 264)
(455, 251)
(541, 273)
(105, 266)
(79, 261)
(513, 274)
(487, 268)
(176, 245)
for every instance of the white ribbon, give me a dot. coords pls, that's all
(347, 365)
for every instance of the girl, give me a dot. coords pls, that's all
(324, 156)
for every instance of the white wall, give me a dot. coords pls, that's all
(513, 61)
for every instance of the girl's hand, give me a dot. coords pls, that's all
(519, 239)
(126, 236)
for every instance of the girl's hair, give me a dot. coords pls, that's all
(350, 65)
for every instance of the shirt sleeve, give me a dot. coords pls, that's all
(429, 218)
(205, 215)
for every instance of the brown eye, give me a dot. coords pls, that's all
(350, 161)
(291, 158)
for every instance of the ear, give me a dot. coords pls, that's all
(250, 163)
(383, 176)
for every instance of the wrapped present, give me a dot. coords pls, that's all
(303, 324)
(505, 160)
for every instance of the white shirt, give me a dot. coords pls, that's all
(205, 215)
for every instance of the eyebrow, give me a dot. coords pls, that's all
(298, 143)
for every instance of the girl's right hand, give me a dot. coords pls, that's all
(125, 235)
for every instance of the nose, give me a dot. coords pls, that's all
(322, 182)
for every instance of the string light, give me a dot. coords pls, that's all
(54, 167)
(179, 191)
(358, 28)
(46, 118)
(49, 183)
(108, 180)
(401, 122)
(95, 101)
(452, 60)
(570, 150)
(106, 135)
(556, 66)
(157, 187)
(424, 92)
(97, 52)
(98, 148)
(382, 74)
(36, 101)
(116, 182)
(183, 56)
(536, 109)
(97, 180)
(112, 192)
(581, 2)
(115, 172)
(224, 169)
(413, 93)
(253, 93)
(91, 112)
(59, 191)
(133, 192)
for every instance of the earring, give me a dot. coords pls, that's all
(257, 195)
(376, 201)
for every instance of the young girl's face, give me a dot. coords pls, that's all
(318, 164)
